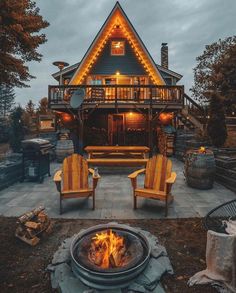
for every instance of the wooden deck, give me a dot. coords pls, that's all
(118, 96)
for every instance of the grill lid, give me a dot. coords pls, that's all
(37, 144)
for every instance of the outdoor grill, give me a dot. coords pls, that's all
(36, 161)
(109, 256)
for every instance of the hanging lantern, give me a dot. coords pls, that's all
(166, 118)
(66, 118)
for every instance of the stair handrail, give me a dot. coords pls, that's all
(189, 101)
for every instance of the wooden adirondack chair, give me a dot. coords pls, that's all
(158, 181)
(72, 180)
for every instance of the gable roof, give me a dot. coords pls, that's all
(117, 17)
(169, 72)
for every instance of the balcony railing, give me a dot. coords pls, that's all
(118, 94)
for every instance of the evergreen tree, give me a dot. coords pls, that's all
(216, 127)
(30, 108)
(7, 97)
(20, 23)
(16, 129)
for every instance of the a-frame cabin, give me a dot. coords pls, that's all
(124, 88)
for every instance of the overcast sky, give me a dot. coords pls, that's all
(186, 25)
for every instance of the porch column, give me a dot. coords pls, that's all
(81, 131)
(150, 132)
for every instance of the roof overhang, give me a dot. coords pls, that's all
(170, 72)
(68, 69)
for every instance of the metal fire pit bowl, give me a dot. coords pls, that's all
(113, 278)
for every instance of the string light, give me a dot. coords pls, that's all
(131, 38)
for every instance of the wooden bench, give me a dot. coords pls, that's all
(124, 162)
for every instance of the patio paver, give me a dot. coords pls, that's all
(113, 199)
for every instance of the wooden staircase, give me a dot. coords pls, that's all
(193, 118)
(192, 115)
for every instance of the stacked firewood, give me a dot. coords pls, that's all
(166, 143)
(31, 225)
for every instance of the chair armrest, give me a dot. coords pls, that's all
(136, 173)
(172, 178)
(92, 172)
(133, 177)
(95, 178)
(57, 176)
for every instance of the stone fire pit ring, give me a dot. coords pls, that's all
(110, 278)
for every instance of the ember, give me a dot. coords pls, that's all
(108, 250)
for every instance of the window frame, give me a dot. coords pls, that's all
(117, 40)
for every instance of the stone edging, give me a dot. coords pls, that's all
(63, 279)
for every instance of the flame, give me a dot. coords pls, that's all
(202, 150)
(107, 249)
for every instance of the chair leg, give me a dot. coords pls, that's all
(166, 207)
(60, 204)
(93, 200)
(135, 202)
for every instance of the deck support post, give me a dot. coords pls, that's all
(116, 103)
(81, 130)
(150, 134)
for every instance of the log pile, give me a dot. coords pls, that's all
(182, 136)
(32, 225)
(166, 143)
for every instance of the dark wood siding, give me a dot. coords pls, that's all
(134, 121)
(127, 64)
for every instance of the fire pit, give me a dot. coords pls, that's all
(109, 256)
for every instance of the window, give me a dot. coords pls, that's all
(117, 48)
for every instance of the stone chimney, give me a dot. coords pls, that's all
(164, 55)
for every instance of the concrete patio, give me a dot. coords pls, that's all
(113, 199)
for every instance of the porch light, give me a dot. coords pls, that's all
(67, 117)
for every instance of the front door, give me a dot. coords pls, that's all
(116, 129)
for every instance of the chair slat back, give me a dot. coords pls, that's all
(74, 173)
(158, 169)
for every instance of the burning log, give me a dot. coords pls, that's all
(107, 250)
(32, 224)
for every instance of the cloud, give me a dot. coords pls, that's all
(187, 26)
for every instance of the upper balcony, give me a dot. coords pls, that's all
(118, 96)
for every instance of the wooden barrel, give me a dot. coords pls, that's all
(200, 169)
(64, 148)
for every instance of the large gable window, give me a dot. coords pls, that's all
(117, 48)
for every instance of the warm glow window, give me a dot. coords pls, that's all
(117, 48)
